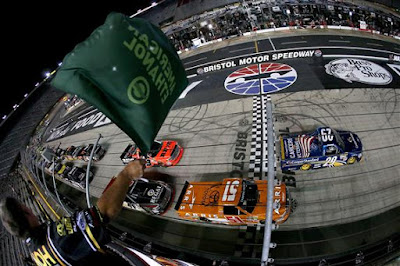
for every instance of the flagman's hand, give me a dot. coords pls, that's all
(133, 170)
(110, 202)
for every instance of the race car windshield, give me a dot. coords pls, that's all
(155, 148)
(248, 199)
(339, 139)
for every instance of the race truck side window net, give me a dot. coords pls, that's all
(249, 197)
(155, 148)
(339, 140)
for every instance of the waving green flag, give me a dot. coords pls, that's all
(129, 70)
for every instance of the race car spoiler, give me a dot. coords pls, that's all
(179, 201)
(123, 155)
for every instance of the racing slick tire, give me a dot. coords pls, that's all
(204, 219)
(305, 167)
(351, 160)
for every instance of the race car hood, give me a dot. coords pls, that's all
(206, 197)
(146, 192)
(351, 141)
(301, 146)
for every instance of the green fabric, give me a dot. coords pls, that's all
(129, 70)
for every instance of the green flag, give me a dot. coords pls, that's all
(129, 70)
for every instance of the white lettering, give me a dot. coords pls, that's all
(102, 121)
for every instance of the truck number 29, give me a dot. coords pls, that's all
(230, 190)
(330, 161)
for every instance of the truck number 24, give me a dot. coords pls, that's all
(230, 190)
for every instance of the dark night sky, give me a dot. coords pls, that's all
(36, 38)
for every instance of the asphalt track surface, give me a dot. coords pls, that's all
(334, 204)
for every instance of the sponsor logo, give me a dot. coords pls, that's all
(318, 53)
(156, 195)
(358, 70)
(85, 123)
(290, 146)
(139, 90)
(261, 78)
(394, 57)
(42, 257)
(80, 221)
(150, 192)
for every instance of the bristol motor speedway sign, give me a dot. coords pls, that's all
(260, 58)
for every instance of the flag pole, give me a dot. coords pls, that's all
(88, 171)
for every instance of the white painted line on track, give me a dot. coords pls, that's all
(293, 42)
(242, 49)
(395, 68)
(355, 56)
(94, 110)
(191, 76)
(341, 41)
(189, 88)
(272, 44)
(376, 44)
(297, 48)
(203, 58)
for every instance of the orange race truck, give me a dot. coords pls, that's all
(232, 201)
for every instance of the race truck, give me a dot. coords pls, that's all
(77, 176)
(324, 147)
(162, 153)
(97, 155)
(151, 196)
(81, 152)
(69, 153)
(233, 201)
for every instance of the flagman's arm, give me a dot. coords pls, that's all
(110, 202)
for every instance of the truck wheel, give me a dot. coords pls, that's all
(351, 160)
(305, 167)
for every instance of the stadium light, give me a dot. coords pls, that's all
(47, 74)
(37, 84)
(59, 64)
(4, 117)
(25, 95)
(153, 3)
(15, 106)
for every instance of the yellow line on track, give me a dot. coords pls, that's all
(45, 201)
(256, 45)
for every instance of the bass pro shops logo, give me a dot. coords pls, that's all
(358, 70)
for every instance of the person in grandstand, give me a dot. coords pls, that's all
(76, 240)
